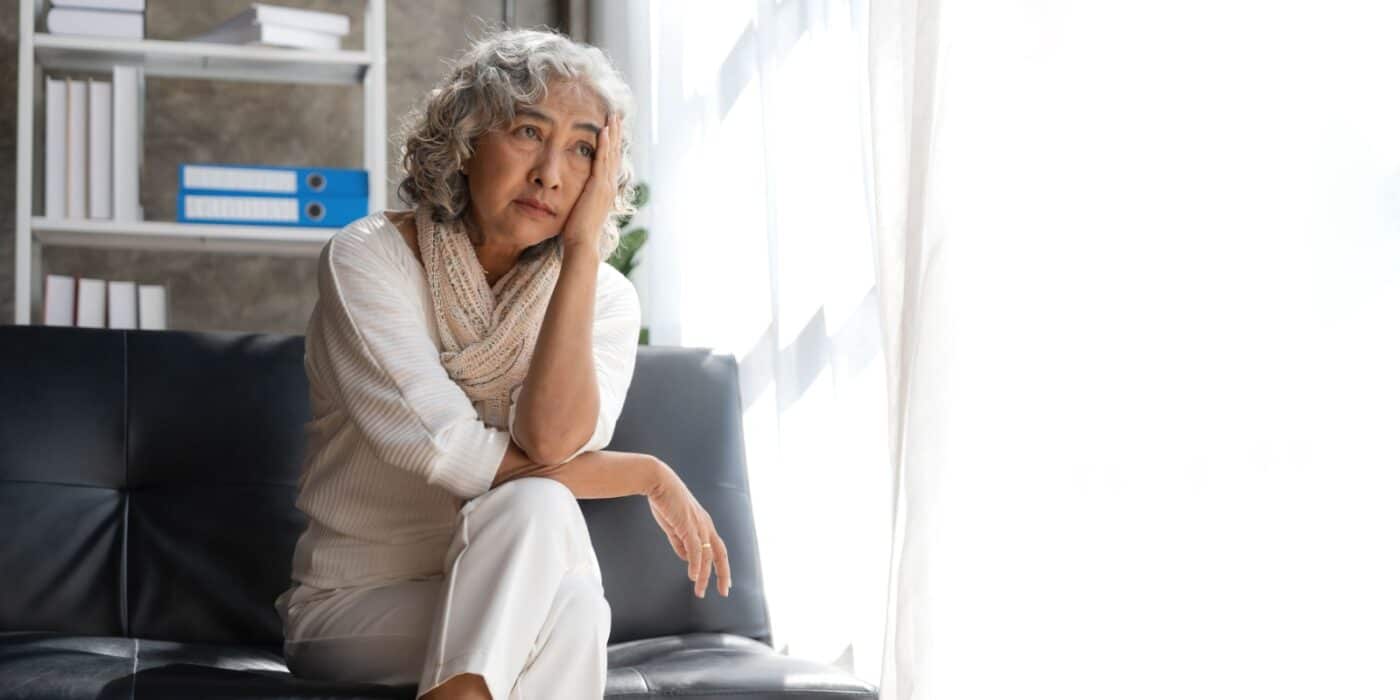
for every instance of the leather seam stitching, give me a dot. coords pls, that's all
(135, 664)
(126, 484)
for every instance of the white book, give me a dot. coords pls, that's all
(121, 304)
(126, 143)
(77, 149)
(92, 303)
(272, 35)
(83, 22)
(311, 20)
(314, 20)
(129, 5)
(55, 153)
(60, 293)
(151, 300)
(99, 149)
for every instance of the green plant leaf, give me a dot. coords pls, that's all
(624, 257)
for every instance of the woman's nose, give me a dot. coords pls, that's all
(546, 171)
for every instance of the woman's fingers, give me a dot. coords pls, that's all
(605, 146)
(706, 560)
(692, 535)
(614, 152)
(677, 545)
(609, 149)
(721, 565)
(716, 555)
(693, 554)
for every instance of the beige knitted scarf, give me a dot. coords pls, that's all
(488, 331)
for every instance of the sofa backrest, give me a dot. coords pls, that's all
(148, 483)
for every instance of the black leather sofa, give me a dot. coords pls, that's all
(147, 520)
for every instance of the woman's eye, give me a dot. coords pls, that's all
(530, 131)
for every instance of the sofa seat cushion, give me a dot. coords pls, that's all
(60, 667)
(723, 666)
(47, 665)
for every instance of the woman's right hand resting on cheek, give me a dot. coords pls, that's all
(689, 528)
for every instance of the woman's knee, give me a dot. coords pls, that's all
(539, 491)
(533, 514)
(534, 500)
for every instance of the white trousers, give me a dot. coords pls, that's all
(520, 602)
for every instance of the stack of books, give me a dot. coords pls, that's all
(93, 303)
(124, 19)
(271, 195)
(273, 25)
(92, 158)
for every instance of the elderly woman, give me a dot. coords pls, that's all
(467, 360)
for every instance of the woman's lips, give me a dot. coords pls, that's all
(533, 210)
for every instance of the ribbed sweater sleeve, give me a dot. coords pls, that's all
(617, 321)
(392, 384)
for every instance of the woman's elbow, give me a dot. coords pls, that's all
(554, 451)
(538, 456)
(554, 443)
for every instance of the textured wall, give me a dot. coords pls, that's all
(236, 122)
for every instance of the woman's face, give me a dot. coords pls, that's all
(545, 154)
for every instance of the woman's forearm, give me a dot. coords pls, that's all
(601, 474)
(513, 465)
(558, 405)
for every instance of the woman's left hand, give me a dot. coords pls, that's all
(690, 530)
(584, 226)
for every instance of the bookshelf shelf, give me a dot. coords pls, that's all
(40, 52)
(190, 59)
(293, 241)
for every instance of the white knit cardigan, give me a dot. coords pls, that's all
(394, 446)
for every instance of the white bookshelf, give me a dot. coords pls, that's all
(39, 51)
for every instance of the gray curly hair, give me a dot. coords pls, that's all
(481, 90)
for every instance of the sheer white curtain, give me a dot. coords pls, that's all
(1136, 277)
(1140, 264)
(751, 138)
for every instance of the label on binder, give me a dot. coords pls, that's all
(271, 210)
(215, 178)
